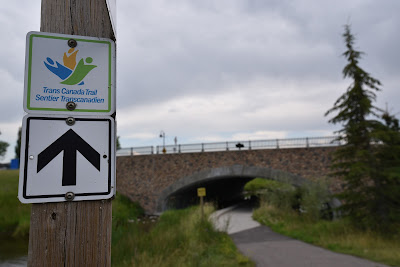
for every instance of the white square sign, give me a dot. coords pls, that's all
(66, 159)
(62, 69)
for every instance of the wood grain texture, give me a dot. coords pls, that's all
(72, 233)
(78, 17)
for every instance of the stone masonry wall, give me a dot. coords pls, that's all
(143, 178)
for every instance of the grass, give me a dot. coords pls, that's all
(14, 216)
(339, 235)
(182, 238)
(179, 238)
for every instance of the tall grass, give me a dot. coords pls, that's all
(339, 235)
(179, 238)
(14, 216)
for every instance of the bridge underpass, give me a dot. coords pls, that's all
(222, 192)
(224, 185)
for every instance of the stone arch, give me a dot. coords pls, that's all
(238, 171)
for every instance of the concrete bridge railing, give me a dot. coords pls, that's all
(233, 146)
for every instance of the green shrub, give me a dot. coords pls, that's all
(276, 193)
(123, 209)
(313, 198)
(310, 199)
(271, 191)
(260, 185)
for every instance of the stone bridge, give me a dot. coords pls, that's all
(160, 181)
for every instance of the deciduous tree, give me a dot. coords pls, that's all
(3, 148)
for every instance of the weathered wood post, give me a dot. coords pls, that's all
(72, 233)
(201, 192)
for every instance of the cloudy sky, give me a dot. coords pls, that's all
(219, 70)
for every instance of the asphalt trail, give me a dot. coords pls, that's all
(269, 249)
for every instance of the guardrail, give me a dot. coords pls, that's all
(233, 146)
(133, 151)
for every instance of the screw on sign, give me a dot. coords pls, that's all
(69, 196)
(70, 121)
(71, 105)
(72, 43)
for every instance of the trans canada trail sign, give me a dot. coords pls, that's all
(69, 73)
(67, 158)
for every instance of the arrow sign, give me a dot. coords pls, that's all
(70, 143)
(57, 158)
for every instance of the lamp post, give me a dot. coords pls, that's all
(176, 142)
(162, 135)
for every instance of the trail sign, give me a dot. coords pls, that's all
(66, 158)
(201, 192)
(69, 73)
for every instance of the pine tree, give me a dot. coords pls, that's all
(385, 209)
(18, 145)
(354, 161)
(118, 144)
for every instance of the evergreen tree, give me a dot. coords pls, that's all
(385, 207)
(354, 161)
(18, 145)
(118, 144)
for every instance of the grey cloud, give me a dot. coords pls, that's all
(282, 56)
(191, 48)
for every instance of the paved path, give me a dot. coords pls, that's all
(269, 249)
(234, 219)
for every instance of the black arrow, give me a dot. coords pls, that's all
(70, 142)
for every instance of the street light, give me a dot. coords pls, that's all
(162, 135)
(176, 142)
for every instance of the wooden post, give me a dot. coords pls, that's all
(72, 233)
(202, 208)
(201, 192)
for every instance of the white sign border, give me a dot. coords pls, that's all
(61, 198)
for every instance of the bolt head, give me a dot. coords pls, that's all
(69, 196)
(70, 121)
(72, 43)
(71, 105)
